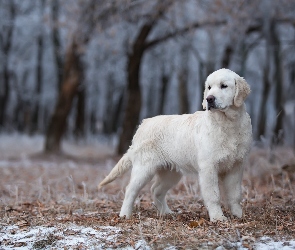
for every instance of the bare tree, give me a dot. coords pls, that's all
(278, 80)
(71, 81)
(133, 105)
(113, 108)
(183, 97)
(6, 38)
(218, 32)
(140, 46)
(73, 72)
(39, 72)
(227, 54)
(163, 89)
(56, 41)
(261, 127)
(80, 110)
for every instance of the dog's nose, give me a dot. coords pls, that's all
(210, 99)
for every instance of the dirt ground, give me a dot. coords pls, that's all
(61, 192)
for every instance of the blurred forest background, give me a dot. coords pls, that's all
(81, 68)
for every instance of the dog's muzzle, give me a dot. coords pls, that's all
(211, 102)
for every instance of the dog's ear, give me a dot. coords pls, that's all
(242, 91)
(204, 103)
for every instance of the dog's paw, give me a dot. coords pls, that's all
(125, 215)
(237, 210)
(167, 211)
(218, 218)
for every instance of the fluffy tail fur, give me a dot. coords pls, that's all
(121, 167)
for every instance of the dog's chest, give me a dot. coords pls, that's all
(232, 146)
(224, 145)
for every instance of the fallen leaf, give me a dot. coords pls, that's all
(198, 223)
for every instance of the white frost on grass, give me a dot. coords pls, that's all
(13, 237)
(71, 236)
(141, 244)
(267, 243)
(21, 146)
(62, 236)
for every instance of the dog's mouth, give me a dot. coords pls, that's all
(215, 107)
(210, 107)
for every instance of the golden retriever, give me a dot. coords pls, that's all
(212, 143)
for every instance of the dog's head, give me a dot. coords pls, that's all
(224, 88)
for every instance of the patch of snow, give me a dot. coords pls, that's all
(13, 237)
(267, 243)
(71, 236)
(170, 248)
(236, 245)
(141, 244)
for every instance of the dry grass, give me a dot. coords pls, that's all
(48, 192)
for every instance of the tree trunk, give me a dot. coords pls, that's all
(291, 93)
(263, 103)
(109, 109)
(20, 111)
(278, 81)
(4, 95)
(183, 92)
(39, 76)
(80, 110)
(183, 97)
(71, 82)
(227, 56)
(6, 47)
(56, 42)
(92, 122)
(118, 112)
(204, 71)
(113, 109)
(266, 87)
(163, 90)
(133, 105)
(202, 79)
(151, 100)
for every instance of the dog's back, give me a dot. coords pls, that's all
(168, 141)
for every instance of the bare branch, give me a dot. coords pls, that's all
(287, 20)
(182, 31)
(254, 28)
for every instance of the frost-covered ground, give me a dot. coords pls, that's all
(53, 203)
(59, 236)
(69, 236)
(21, 146)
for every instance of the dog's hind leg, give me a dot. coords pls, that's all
(140, 176)
(165, 179)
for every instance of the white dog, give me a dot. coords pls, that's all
(213, 143)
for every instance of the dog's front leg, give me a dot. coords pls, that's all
(233, 190)
(210, 192)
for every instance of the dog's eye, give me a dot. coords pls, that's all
(223, 86)
(209, 87)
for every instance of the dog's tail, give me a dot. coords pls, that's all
(121, 167)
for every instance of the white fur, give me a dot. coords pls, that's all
(213, 143)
